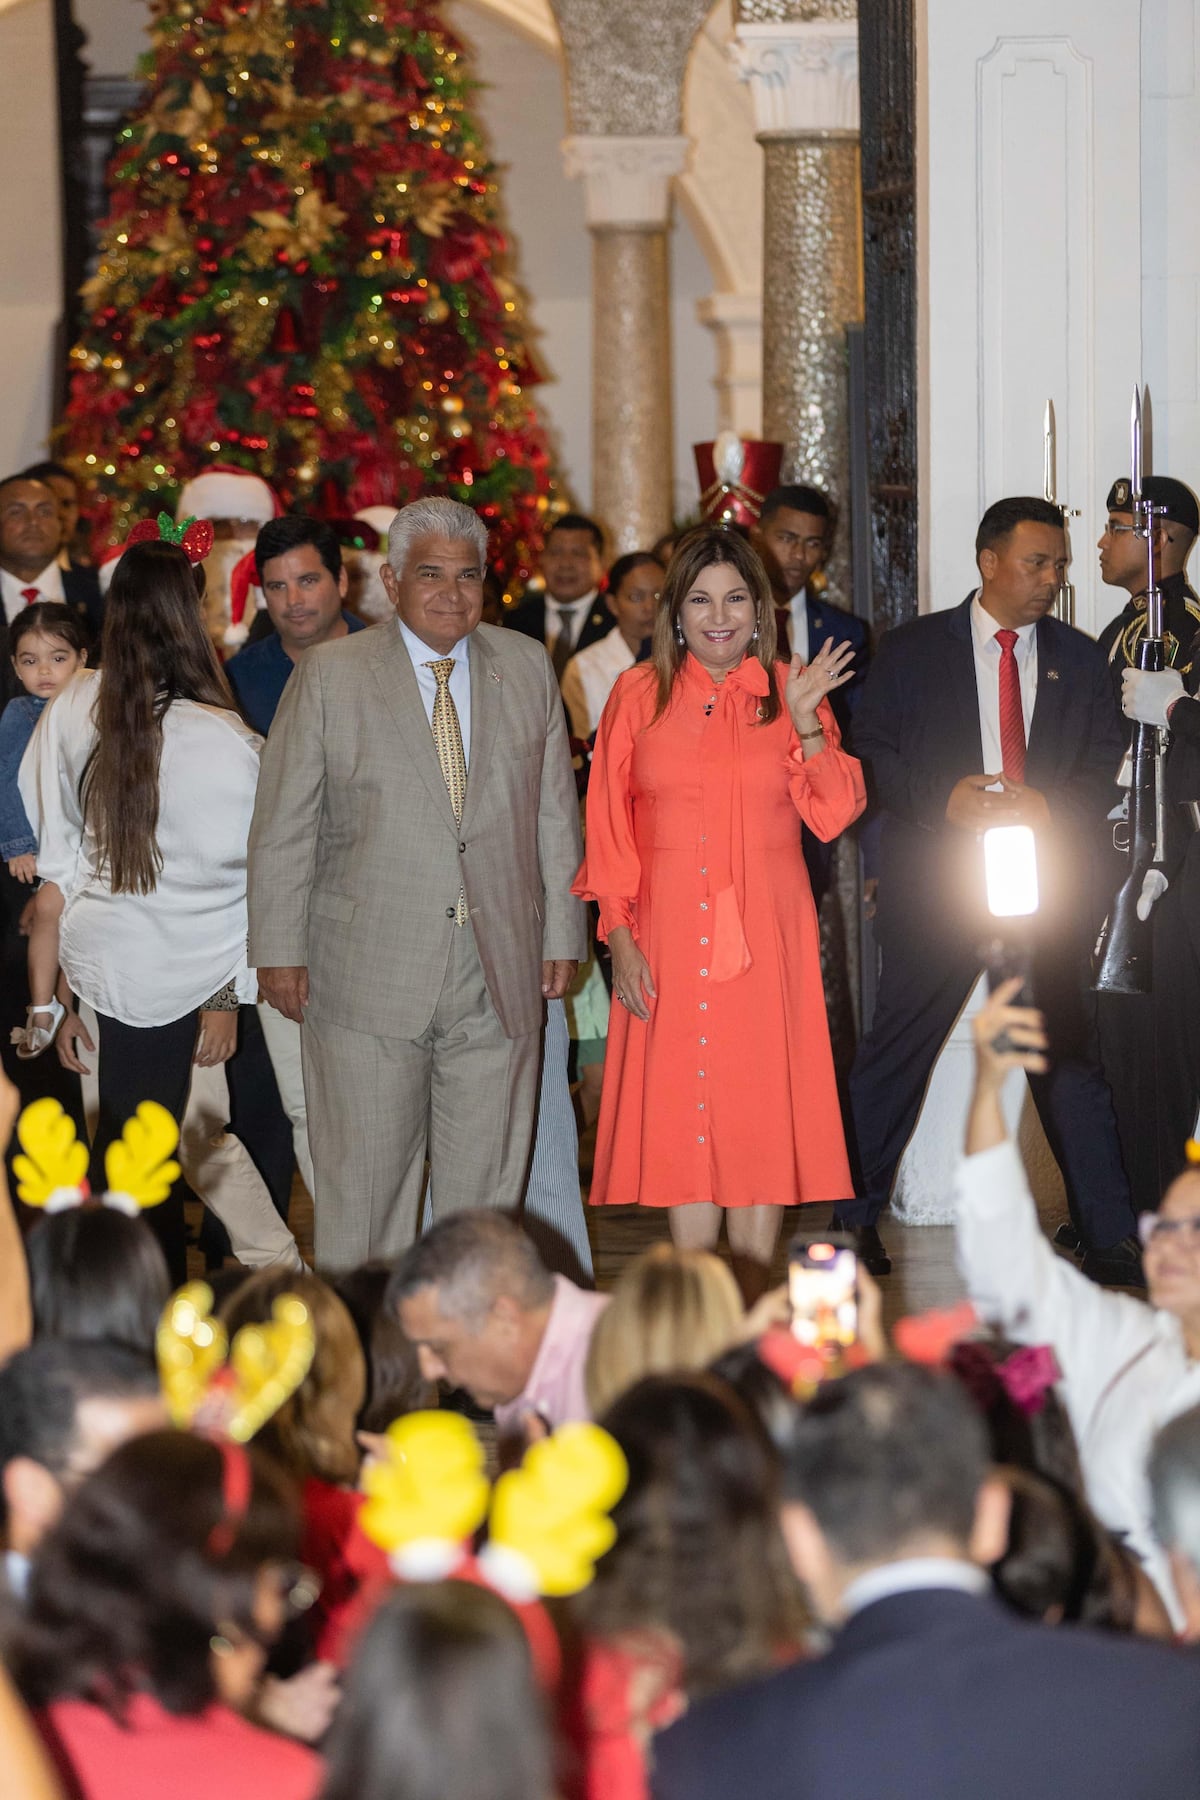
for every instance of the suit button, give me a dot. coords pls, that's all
(462, 849)
(452, 912)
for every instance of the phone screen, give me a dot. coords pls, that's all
(823, 1291)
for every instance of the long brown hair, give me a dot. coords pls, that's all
(697, 550)
(155, 649)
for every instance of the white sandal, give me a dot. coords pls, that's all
(33, 1039)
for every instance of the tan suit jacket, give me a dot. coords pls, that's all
(355, 859)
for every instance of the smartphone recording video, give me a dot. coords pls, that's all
(823, 1290)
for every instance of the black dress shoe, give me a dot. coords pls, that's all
(868, 1247)
(1067, 1238)
(1120, 1265)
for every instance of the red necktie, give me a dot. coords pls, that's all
(29, 595)
(1012, 720)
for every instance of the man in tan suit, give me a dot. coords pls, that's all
(414, 841)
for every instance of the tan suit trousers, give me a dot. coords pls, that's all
(462, 1095)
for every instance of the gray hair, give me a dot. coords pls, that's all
(435, 518)
(472, 1258)
(1174, 1474)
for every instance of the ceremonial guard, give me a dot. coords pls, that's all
(1123, 565)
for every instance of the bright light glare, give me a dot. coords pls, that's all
(1010, 867)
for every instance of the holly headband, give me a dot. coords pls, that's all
(193, 536)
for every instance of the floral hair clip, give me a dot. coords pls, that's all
(193, 536)
(230, 1390)
(548, 1520)
(1025, 1376)
(51, 1172)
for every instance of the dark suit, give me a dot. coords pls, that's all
(827, 621)
(529, 616)
(917, 730)
(937, 1695)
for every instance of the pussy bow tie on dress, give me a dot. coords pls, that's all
(735, 710)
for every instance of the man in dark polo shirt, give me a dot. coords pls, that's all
(303, 583)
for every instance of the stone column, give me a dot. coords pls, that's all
(803, 73)
(628, 188)
(735, 320)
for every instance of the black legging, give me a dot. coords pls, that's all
(146, 1062)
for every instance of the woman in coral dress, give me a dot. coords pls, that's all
(719, 1093)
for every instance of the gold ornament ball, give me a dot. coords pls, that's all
(357, 47)
(306, 471)
(452, 404)
(436, 312)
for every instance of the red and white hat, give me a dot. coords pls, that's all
(224, 492)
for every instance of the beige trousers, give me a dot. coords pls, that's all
(462, 1095)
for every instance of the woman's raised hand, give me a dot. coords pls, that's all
(807, 685)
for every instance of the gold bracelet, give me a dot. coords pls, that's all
(804, 736)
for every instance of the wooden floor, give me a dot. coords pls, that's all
(923, 1275)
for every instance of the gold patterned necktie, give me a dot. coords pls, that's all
(447, 740)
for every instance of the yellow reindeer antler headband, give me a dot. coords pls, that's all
(230, 1389)
(52, 1171)
(549, 1518)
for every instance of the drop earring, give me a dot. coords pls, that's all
(678, 635)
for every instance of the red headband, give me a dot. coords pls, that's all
(193, 536)
(237, 1481)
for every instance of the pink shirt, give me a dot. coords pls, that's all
(555, 1386)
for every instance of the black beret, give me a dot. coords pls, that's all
(1177, 501)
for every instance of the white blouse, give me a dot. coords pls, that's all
(148, 959)
(1125, 1368)
(589, 678)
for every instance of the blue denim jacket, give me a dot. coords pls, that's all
(16, 728)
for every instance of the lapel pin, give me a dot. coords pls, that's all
(495, 676)
(1051, 674)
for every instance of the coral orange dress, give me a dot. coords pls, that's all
(727, 1094)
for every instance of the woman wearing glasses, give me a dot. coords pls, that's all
(1126, 1367)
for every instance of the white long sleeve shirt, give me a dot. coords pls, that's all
(1126, 1370)
(148, 959)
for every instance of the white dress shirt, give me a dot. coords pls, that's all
(1125, 1366)
(987, 680)
(589, 678)
(568, 618)
(798, 608)
(460, 680)
(912, 1575)
(49, 585)
(148, 959)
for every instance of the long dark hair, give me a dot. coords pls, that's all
(440, 1704)
(697, 550)
(699, 1551)
(145, 1564)
(155, 650)
(48, 618)
(95, 1273)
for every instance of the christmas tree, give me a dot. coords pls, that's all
(302, 273)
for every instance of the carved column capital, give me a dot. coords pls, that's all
(627, 179)
(803, 75)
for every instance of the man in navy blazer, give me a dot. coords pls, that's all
(793, 537)
(928, 729)
(931, 1690)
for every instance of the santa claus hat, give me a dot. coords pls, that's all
(242, 577)
(224, 492)
(379, 518)
(108, 562)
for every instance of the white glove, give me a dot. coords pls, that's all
(1154, 886)
(1146, 694)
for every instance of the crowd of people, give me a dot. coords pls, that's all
(363, 897)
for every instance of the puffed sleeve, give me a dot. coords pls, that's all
(828, 790)
(611, 870)
(49, 780)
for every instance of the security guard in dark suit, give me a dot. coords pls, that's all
(567, 612)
